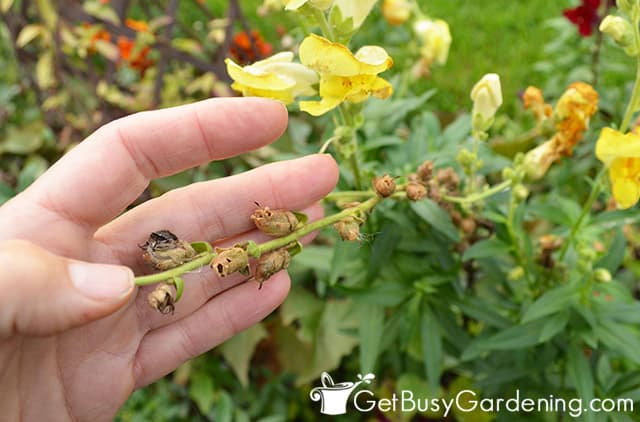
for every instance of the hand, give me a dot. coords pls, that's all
(76, 337)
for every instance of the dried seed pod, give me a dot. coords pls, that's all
(349, 228)
(230, 260)
(276, 223)
(163, 298)
(384, 186)
(425, 170)
(448, 178)
(416, 191)
(270, 263)
(164, 250)
(468, 225)
(549, 242)
(434, 190)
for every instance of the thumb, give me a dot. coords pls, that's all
(43, 293)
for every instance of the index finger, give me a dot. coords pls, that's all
(110, 169)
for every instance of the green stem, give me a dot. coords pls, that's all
(515, 241)
(480, 195)
(206, 257)
(347, 116)
(585, 211)
(324, 25)
(311, 227)
(633, 102)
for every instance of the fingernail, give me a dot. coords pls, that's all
(101, 281)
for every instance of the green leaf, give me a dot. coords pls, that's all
(238, 350)
(44, 70)
(33, 167)
(383, 247)
(28, 34)
(102, 11)
(47, 12)
(477, 308)
(489, 248)
(579, 372)
(201, 391)
(302, 217)
(553, 301)
(179, 283)
(615, 253)
(5, 5)
(438, 218)
(371, 329)
(345, 254)
(554, 325)
(431, 338)
(201, 247)
(23, 140)
(6, 192)
(515, 337)
(295, 248)
(224, 408)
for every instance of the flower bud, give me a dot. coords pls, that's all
(270, 263)
(448, 178)
(602, 275)
(164, 250)
(276, 223)
(468, 225)
(425, 171)
(230, 260)
(416, 191)
(435, 38)
(384, 186)
(520, 192)
(538, 160)
(163, 298)
(619, 29)
(516, 274)
(487, 97)
(349, 228)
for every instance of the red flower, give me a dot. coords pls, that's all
(247, 49)
(585, 16)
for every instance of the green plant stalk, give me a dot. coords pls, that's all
(206, 257)
(585, 211)
(635, 94)
(323, 23)
(474, 197)
(515, 241)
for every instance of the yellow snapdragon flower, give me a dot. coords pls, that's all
(275, 77)
(343, 75)
(621, 152)
(435, 38)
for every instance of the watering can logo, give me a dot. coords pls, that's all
(333, 397)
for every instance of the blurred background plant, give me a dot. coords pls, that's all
(519, 290)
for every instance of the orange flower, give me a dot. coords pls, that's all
(532, 99)
(572, 113)
(247, 49)
(138, 26)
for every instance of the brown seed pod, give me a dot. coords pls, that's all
(230, 260)
(425, 170)
(163, 250)
(163, 298)
(276, 223)
(384, 186)
(434, 190)
(416, 191)
(468, 225)
(349, 228)
(270, 263)
(448, 178)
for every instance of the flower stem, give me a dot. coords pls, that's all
(206, 257)
(324, 25)
(480, 195)
(585, 211)
(635, 94)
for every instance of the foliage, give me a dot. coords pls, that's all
(503, 283)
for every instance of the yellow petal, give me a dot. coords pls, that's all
(373, 60)
(293, 4)
(317, 108)
(327, 57)
(256, 78)
(285, 95)
(613, 144)
(626, 190)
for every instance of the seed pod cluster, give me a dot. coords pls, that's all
(271, 263)
(275, 223)
(349, 228)
(163, 250)
(163, 298)
(231, 260)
